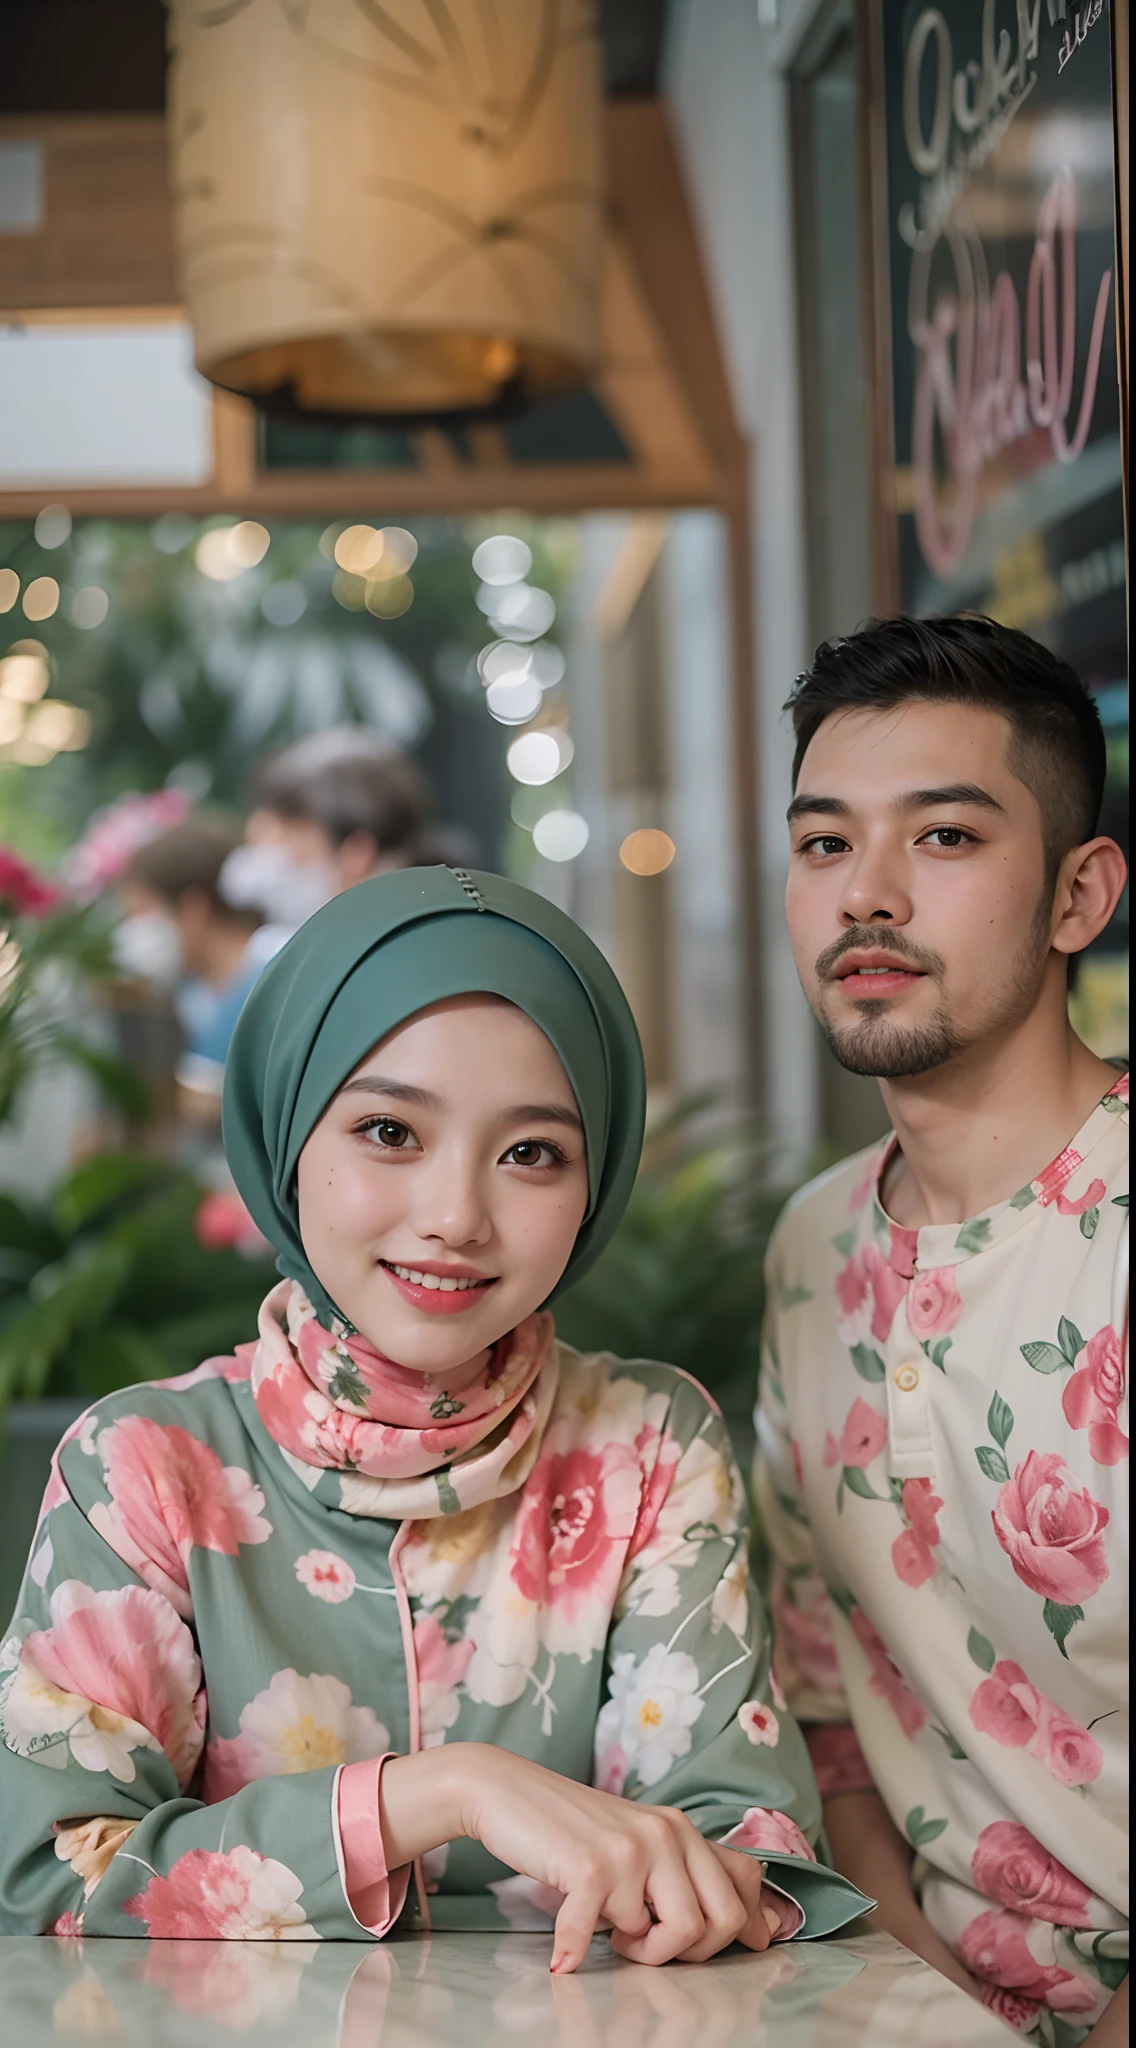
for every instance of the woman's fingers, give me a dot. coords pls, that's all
(576, 1923)
(763, 1919)
(726, 1896)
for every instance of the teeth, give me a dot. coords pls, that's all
(434, 1281)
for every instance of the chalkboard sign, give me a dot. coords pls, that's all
(995, 174)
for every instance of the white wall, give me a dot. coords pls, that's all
(724, 75)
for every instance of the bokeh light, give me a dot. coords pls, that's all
(213, 557)
(538, 757)
(284, 603)
(560, 835)
(9, 589)
(399, 553)
(503, 661)
(24, 674)
(389, 599)
(89, 606)
(249, 542)
(513, 703)
(502, 559)
(62, 727)
(53, 526)
(548, 664)
(348, 590)
(520, 611)
(41, 598)
(647, 852)
(172, 532)
(357, 549)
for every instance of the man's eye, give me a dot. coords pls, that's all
(387, 1131)
(828, 844)
(948, 836)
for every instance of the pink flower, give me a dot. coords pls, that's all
(911, 1559)
(759, 1723)
(237, 1895)
(911, 1551)
(887, 1681)
(933, 1302)
(763, 1828)
(298, 1723)
(996, 1949)
(116, 832)
(862, 1438)
(1076, 1205)
(222, 1223)
(1012, 1868)
(837, 1759)
(1018, 2013)
(441, 1665)
(1052, 1531)
(1009, 1708)
(68, 1924)
(169, 1492)
(22, 889)
(611, 1772)
(868, 1291)
(577, 1516)
(326, 1576)
(804, 1651)
(1049, 1184)
(1092, 1397)
(115, 1672)
(658, 1453)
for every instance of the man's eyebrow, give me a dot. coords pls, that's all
(398, 1091)
(804, 806)
(950, 793)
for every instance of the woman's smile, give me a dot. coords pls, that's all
(439, 1290)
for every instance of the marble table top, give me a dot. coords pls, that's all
(473, 1990)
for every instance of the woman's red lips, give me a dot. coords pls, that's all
(436, 1289)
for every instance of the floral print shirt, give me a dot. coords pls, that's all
(942, 1479)
(210, 1658)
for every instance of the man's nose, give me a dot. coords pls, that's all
(875, 889)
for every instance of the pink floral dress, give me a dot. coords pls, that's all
(942, 1478)
(219, 1639)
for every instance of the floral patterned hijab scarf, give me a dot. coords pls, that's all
(363, 965)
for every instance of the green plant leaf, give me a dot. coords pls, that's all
(93, 1187)
(1059, 1620)
(857, 1482)
(1023, 1199)
(1089, 1222)
(845, 1243)
(1070, 1339)
(937, 1353)
(121, 1085)
(1120, 1201)
(981, 1650)
(1000, 1420)
(868, 1363)
(1044, 1357)
(792, 1297)
(953, 1750)
(919, 1830)
(974, 1235)
(992, 1463)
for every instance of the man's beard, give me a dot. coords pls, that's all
(894, 1052)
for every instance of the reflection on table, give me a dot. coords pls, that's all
(466, 1990)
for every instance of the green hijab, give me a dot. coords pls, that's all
(374, 957)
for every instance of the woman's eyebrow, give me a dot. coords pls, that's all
(399, 1091)
(543, 1113)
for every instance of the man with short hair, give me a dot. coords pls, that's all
(942, 1447)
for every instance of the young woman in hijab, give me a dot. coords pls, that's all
(470, 1609)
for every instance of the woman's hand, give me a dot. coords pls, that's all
(644, 1871)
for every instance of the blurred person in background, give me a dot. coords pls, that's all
(329, 811)
(181, 933)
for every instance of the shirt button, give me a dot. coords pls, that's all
(907, 1378)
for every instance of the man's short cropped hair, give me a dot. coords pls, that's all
(1056, 743)
(190, 856)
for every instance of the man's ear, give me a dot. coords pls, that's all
(1090, 884)
(357, 858)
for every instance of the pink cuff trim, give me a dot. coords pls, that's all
(375, 1894)
(837, 1759)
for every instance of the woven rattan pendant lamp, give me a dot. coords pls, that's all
(388, 208)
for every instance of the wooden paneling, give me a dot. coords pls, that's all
(107, 237)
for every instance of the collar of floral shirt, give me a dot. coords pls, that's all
(1067, 1181)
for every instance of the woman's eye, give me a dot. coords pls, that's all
(530, 1153)
(388, 1132)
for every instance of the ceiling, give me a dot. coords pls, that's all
(109, 56)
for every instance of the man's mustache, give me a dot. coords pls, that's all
(878, 939)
